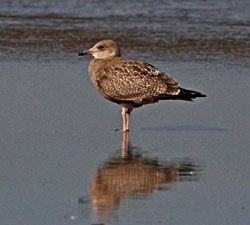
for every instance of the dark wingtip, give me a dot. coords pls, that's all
(199, 95)
(190, 94)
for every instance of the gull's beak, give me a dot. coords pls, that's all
(84, 52)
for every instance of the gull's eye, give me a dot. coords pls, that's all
(101, 47)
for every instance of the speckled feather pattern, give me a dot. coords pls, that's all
(130, 83)
(122, 80)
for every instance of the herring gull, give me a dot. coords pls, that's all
(130, 83)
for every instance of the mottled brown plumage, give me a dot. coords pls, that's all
(131, 83)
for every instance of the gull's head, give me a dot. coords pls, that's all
(102, 50)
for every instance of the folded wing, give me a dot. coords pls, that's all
(135, 82)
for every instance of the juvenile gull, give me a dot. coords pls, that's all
(130, 83)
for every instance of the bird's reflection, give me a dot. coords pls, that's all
(132, 175)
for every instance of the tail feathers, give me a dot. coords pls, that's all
(189, 95)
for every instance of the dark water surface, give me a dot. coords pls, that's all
(183, 163)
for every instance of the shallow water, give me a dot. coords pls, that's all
(61, 160)
(57, 134)
(178, 28)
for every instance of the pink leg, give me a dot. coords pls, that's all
(128, 111)
(125, 118)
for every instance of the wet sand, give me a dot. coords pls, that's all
(173, 28)
(62, 162)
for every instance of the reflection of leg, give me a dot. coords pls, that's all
(125, 143)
